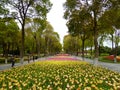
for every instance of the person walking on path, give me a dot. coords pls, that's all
(13, 61)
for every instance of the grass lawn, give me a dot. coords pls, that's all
(109, 60)
(59, 75)
(103, 58)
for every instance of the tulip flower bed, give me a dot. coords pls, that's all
(59, 75)
(111, 57)
(61, 57)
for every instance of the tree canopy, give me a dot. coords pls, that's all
(23, 9)
(93, 16)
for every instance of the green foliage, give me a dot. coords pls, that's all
(52, 40)
(9, 36)
(3, 11)
(104, 49)
(103, 59)
(114, 49)
(41, 38)
(71, 44)
(2, 60)
(70, 6)
(93, 17)
(24, 9)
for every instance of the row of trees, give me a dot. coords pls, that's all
(73, 46)
(37, 41)
(34, 34)
(92, 20)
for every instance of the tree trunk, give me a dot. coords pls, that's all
(96, 49)
(22, 43)
(83, 43)
(46, 48)
(99, 50)
(95, 39)
(49, 46)
(6, 53)
(8, 48)
(91, 51)
(38, 48)
(112, 41)
(3, 47)
(115, 54)
(12, 50)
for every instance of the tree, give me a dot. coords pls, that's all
(8, 34)
(49, 35)
(37, 27)
(54, 46)
(79, 24)
(90, 44)
(94, 7)
(110, 21)
(97, 8)
(71, 44)
(22, 9)
(3, 10)
(29, 41)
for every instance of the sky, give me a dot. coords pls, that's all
(55, 17)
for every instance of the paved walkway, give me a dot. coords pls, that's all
(111, 66)
(8, 66)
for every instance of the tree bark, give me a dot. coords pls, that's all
(116, 48)
(99, 50)
(112, 41)
(22, 43)
(83, 44)
(5, 52)
(91, 51)
(95, 39)
(96, 46)
(38, 47)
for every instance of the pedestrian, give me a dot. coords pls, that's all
(13, 61)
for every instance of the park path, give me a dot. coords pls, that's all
(111, 66)
(8, 66)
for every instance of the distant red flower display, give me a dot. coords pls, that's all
(111, 57)
(62, 57)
